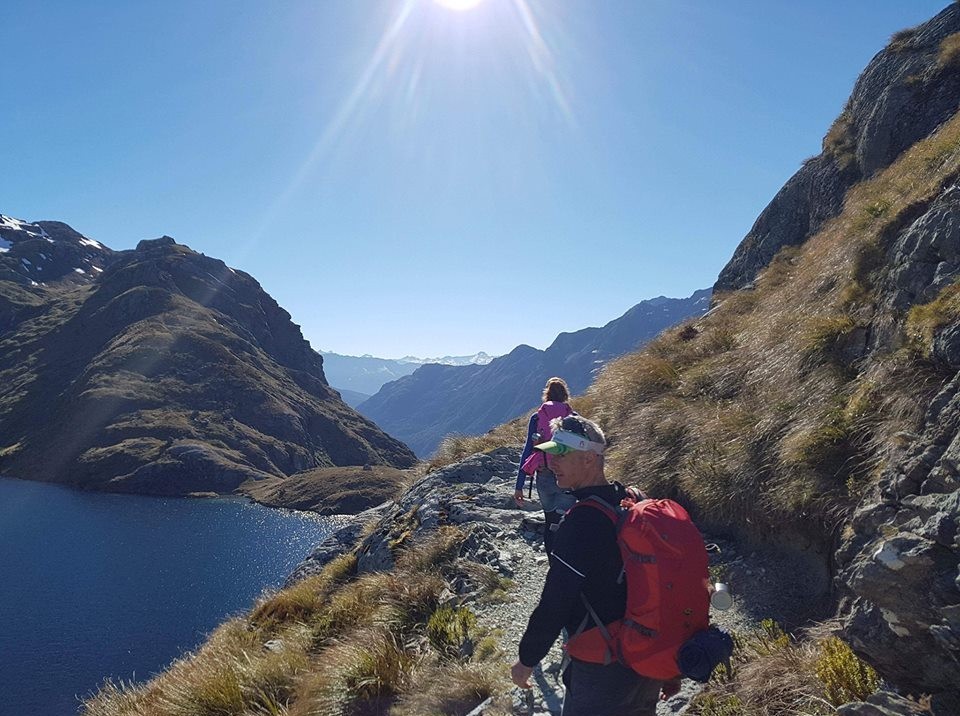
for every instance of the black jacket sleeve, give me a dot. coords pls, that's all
(584, 539)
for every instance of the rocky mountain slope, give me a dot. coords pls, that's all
(437, 400)
(904, 94)
(817, 401)
(158, 370)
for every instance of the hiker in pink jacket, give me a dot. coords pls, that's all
(554, 501)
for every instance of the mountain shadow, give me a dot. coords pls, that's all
(158, 370)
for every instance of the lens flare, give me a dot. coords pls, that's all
(458, 5)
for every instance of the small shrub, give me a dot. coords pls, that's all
(900, 39)
(877, 208)
(845, 677)
(708, 704)
(768, 639)
(841, 141)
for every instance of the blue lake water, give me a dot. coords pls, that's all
(96, 585)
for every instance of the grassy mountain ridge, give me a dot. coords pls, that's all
(167, 373)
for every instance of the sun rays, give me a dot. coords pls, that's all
(514, 34)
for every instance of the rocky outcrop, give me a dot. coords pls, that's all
(473, 493)
(164, 372)
(901, 563)
(903, 95)
(437, 400)
(883, 703)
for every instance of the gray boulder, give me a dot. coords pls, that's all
(883, 703)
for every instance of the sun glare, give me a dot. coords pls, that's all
(458, 5)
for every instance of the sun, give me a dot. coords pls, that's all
(458, 5)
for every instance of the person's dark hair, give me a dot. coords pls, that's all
(556, 390)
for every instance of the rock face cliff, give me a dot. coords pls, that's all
(819, 400)
(437, 400)
(898, 566)
(905, 93)
(158, 370)
(899, 563)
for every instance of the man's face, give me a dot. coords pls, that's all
(570, 468)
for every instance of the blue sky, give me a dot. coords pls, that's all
(409, 179)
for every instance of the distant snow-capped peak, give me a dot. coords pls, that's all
(480, 358)
(9, 223)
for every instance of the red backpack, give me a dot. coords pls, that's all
(547, 412)
(668, 599)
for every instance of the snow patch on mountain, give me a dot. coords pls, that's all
(12, 224)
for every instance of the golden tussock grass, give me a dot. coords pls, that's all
(949, 50)
(764, 413)
(923, 321)
(775, 674)
(333, 644)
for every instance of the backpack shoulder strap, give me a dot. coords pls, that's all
(598, 503)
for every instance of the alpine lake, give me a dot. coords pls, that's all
(96, 586)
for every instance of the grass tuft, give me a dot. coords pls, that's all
(949, 55)
(777, 674)
(900, 39)
(450, 629)
(924, 321)
(841, 140)
(455, 689)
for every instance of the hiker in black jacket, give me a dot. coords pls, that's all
(586, 562)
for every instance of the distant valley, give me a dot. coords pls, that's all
(436, 400)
